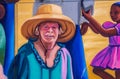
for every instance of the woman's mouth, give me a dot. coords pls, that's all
(48, 36)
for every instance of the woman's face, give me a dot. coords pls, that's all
(49, 32)
(115, 13)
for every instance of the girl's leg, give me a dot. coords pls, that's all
(117, 74)
(100, 72)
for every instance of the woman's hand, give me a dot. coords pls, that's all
(2, 76)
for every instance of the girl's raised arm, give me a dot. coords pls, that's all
(97, 26)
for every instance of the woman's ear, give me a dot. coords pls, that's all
(37, 31)
(60, 31)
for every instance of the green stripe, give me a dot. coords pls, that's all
(2, 44)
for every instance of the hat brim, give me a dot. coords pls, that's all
(67, 26)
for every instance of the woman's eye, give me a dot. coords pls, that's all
(45, 27)
(54, 27)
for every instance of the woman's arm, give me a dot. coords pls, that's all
(97, 26)
(18, 68)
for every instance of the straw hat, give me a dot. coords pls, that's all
(49, 12)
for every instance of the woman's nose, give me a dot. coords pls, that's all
(50, 30)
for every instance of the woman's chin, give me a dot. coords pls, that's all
(49, 41)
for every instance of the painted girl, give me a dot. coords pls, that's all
(43, 57)
(109, 57)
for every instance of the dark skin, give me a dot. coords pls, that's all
(2, 11)
(115, 16)
(94, 24)
(9, 1)
(84, 28)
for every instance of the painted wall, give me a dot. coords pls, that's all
(92, 43)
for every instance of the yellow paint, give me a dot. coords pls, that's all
(23, 11)
(93, 43)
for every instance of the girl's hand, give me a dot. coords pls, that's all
(84, 28)
(86, 14)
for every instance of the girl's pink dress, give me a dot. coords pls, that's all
(109, 57)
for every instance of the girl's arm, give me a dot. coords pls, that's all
(97, 26)
(84, 28)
